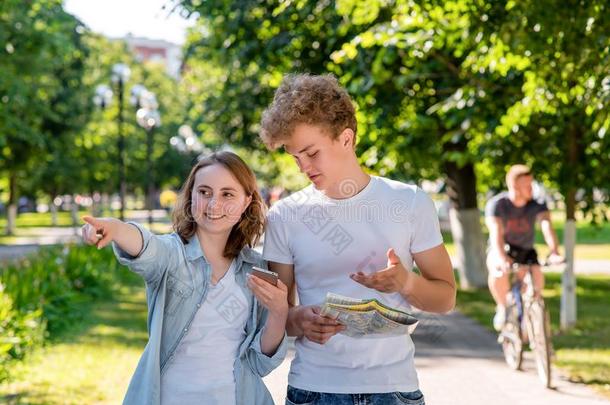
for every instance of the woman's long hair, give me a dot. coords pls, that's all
(250, 227)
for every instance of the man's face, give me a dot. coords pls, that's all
(522, 187)
(321, 158)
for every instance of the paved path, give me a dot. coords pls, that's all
(459, 362)
(31, 239)
(9, 252)
(587, 267)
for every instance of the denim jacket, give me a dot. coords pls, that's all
(177, 276)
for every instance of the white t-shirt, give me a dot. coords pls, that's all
(201, 369)
(326, 240)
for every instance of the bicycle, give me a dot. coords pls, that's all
(527, 321)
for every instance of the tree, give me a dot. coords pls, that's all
(444, 88)
(430, 103)
(411, 66)
(41, 64)
(564, 113)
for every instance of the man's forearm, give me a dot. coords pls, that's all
(550, 237)
(292, 324)
(429, 295)
(496, 235)
(498, 244)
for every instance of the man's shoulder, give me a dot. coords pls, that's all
(292, 203)
(498, 198)
(496, 204)
(397, 187)
(539, 204)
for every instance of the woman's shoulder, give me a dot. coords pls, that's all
(253, 257)
(173, 241)
(172, 238)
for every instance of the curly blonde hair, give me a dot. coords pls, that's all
(249, 229)
(307, 99)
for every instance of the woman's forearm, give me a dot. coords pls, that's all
(127, 237)
(273, 333)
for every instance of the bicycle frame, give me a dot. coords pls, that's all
(522, 298)
(527, 322)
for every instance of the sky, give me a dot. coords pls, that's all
(142, 18)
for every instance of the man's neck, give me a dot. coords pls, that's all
(348, 185)
(517, 201)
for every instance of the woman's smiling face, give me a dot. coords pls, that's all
(218, 199)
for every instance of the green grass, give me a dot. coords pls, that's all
(584, 351)
(91, 363)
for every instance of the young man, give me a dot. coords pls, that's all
(352, 234)
(511, 218)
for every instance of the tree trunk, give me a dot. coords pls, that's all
(106, 205)
(96, 204)
(74, 214)
(150, 176)
(53, 209)
(466, 225)
(568, 279)
(11, 213)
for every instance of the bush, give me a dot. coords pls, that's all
(42, 295)
(19, 332)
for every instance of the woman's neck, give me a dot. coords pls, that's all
(212, 244)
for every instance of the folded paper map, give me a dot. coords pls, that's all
(367, 317)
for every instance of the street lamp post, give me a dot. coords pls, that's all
(148, 118)
(120, 75)
(187, 142)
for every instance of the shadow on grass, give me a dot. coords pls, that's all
(120, 321)
(12, 398)
(41, 397)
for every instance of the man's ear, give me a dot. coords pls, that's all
(347, 137)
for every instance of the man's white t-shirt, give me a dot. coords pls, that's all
(201, 370)
(326, 240)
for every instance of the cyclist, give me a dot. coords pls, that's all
(511, 217)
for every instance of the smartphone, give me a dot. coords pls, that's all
(267, 275)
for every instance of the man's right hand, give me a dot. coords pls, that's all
(315, 327)
(503, 264)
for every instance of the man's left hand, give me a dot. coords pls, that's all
(389, 280)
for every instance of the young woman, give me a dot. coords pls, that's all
(214, 329)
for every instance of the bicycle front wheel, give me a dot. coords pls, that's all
(512, 346)
(539, 331)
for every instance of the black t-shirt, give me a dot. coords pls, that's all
(518, 222)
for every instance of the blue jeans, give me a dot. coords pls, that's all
(297, 396)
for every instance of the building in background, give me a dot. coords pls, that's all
(156, 50)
